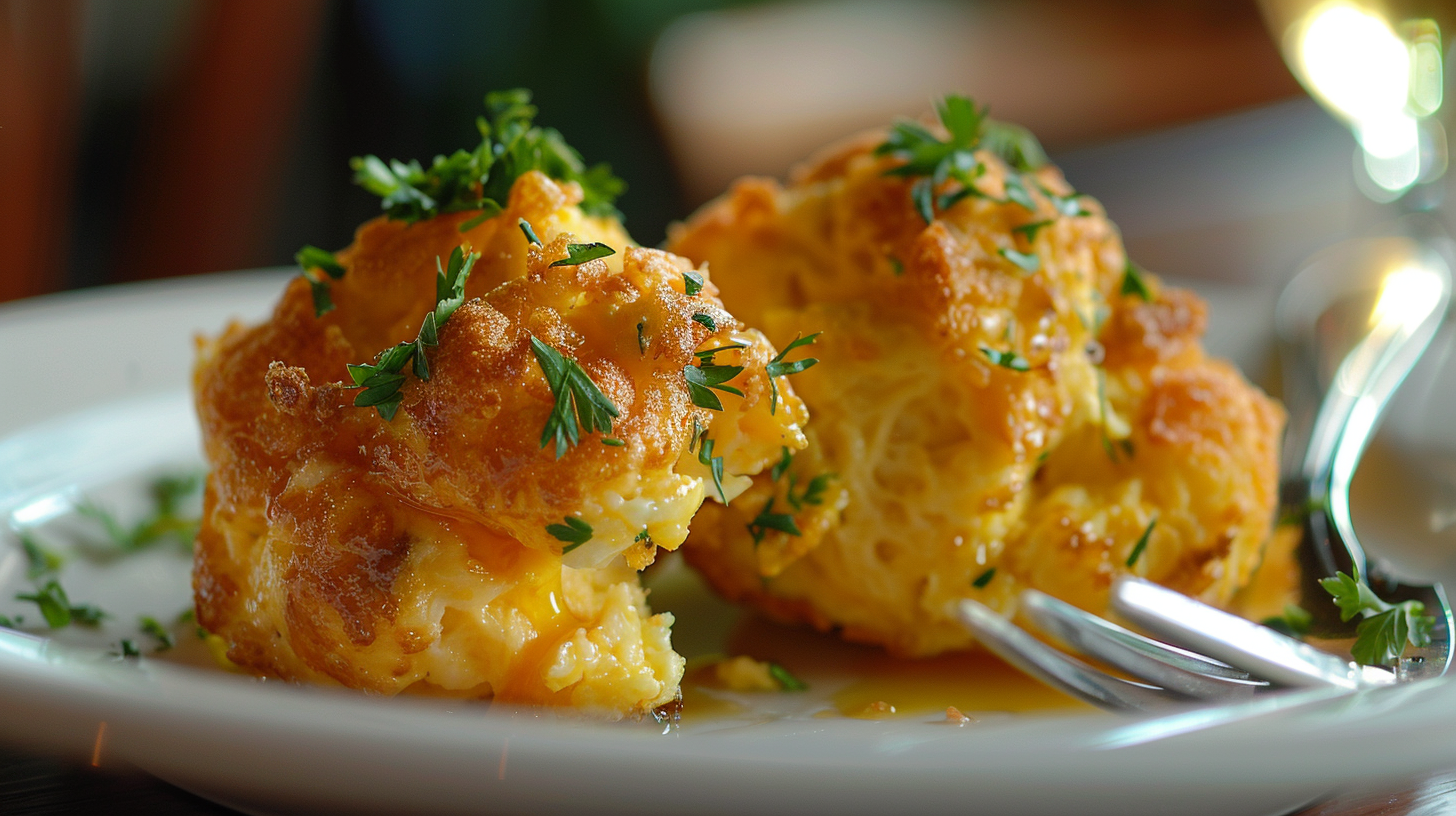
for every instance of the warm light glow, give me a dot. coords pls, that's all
(1362, 69)
(1406, 296)
(1355, 62)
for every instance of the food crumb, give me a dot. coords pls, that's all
(954, 716)
(743, 673)
(876, 710)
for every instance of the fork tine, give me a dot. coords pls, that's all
(1058, 670)
(1261, 650)
(1167, 666)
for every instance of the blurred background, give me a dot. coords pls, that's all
(155, 138)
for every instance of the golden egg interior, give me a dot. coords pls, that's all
(1000, 403)
(416, 554)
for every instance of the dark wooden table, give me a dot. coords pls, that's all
(41, 786)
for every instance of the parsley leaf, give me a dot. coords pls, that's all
(786, 680)
(1028, 261)
(1381, 637)
(575, 393)
(707, 320)
(129, 648)
(577, 254)
(1006, 359)
(574, 533)
(708, 376)
(692, 283)
(162, 524)
(528, 232)
(311, 258)
(1142, 543)
(1133, 282)
(481, 178)
(1029, 231)
(767, 520)
(713, 463)
(984, 578)
(58, 610)
(1295, 622)
(779, 367)
(40, 560)
(1014, 144)
(157, 631)
(382, 380)
(782, 466)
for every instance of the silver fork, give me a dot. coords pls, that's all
(1205, 653)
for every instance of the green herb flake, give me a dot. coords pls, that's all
(641, 337)
(707, 459)
(706, 320)
(692, 283)
(612, 443)
(779, 367)
(58, 610)
(1381, 638)
(897, 265)
(578, 254)
(1133, 282)
(380, 382)
(128, 648)
(1027, 261)
(1142, 544)
(767, 520)
(922, 195)
(528, 232)
(40, 560)
(707, 377)
(1030, 231)
(786, 680)
(575, 394)
(984, 578)
(481, 178)
(782, 466)
(1295, 622)
(1006, 359)
(157, 632)
(573, 533)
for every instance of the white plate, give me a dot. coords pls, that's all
(97, 403)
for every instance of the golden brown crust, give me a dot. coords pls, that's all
(946, 464)
(383, 554)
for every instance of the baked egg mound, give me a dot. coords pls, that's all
(1002, 399)
(465, 512)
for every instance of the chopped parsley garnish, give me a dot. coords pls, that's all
(381, 380)
(481, 179)
(129, 648)
(1029, 231)
(706, 377)
(578, 254)
(1142, 544)
(58, 610)
(692, 283)
(1381, 637)
(1295, 622)
(984, 578)
(574, 533)
(706, 320)
(1297, 515)
(779, 367)
(782, 465)
(163, 523)
(1133, 282)
(1006, 359)
(157, 631)
(897, 266)
(813, 491)
(713, 463)
(312, 260)
(40, 560)
(612, 443)
(1027, 261)
(578, 400)
(786, 680)
(933, 161)
(643, 537)
(528, 232)
(767, 520)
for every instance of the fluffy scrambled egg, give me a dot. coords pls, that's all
(412, 554)
(978, 426)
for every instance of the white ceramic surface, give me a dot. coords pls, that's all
(98, 403)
